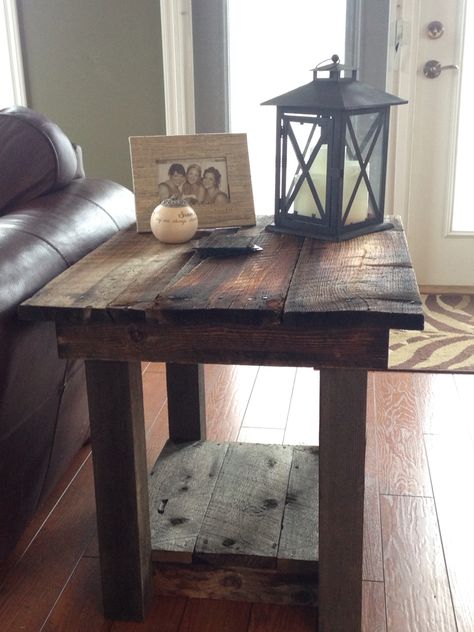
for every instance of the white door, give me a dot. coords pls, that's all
(435, 204)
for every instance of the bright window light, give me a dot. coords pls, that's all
(273, 46)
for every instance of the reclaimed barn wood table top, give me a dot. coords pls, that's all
(292, 287)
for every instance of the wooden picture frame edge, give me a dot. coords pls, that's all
(148, 152)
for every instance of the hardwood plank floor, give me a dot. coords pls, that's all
(419, 518)
(373, 564)
(416, 583)
(402, 465)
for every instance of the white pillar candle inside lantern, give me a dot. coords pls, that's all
(360, 205)
(305, 203)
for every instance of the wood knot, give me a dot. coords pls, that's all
(231, 581)
(177, 521)
(270, 503)
(162, 505)
(135, 333)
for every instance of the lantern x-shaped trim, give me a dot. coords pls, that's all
(331, 156)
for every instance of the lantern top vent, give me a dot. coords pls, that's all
(335, 92)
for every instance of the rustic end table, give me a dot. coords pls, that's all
(263, 519)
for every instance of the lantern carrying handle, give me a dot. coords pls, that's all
(334, 68)
(334, 59)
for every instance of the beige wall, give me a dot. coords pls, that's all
(95, 68)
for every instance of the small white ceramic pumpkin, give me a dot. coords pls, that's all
(174, 221)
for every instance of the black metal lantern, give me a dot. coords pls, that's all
(331, 158)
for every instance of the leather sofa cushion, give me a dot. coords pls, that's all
(36, 157)
(40, 239)
(26, 264)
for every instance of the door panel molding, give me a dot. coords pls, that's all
(401, 80)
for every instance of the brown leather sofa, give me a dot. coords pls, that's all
(51, 215)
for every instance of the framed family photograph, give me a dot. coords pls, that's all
(210, 171)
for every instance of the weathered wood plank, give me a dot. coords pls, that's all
(243, 521)
(360, 280)
(367, 280)
(192, 484)
(241, 288)
(236, 583)
(299, 541)
(180, 488)
(341, 497)
(135, 300)
(127, 271)
(120, 474)
(279, 346)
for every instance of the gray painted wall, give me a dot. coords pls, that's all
(95, 67)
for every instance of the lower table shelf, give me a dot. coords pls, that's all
(236, 520)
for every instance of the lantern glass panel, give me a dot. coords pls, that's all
(363, 168)
(304, 181)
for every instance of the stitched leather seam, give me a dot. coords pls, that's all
(27, 232)
(82, 197)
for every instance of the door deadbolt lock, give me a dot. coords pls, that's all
(435, 29)
(433, 68)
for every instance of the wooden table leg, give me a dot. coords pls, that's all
(186, 402)
(120, 473)
(341, 498)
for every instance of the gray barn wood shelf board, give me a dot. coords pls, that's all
(244, 505)
(236, 521)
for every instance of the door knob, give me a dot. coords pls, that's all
(433, 68)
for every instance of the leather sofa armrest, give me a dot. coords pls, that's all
(36, 157)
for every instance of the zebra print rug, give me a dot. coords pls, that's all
(447, 342)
